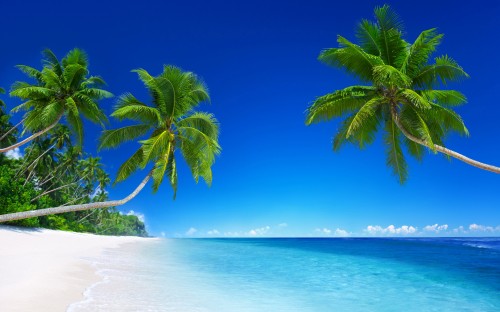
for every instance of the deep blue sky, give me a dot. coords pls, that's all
(259, 62)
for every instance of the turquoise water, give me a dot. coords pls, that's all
(299, 275)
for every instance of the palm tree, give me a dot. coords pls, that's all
(5, 125)
(403, 95)
(170, 123)
(61, 136)
(61, 89)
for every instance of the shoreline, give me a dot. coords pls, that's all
(48, 270)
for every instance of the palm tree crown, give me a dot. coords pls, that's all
(404, 95)
(171, 124)
(61, 89)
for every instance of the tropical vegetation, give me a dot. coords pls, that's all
(61, 89)
(403, 93)
(171, 126)
(54, 172)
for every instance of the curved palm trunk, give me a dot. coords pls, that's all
(53, 190)
(32, 137)
(11, 129)
(34, 163)
(442, 149)
(59, 187)
(72, 208)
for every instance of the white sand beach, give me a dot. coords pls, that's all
(45, 270)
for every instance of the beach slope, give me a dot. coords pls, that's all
(45, 270)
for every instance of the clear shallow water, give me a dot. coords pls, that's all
(311, 274)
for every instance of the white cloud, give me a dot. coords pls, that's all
(390, 230)
(483, 228)
(436, 228)
(459, 230)
(282, 225)
(341, 233)
(323, 231)
(260, 231)
(327, 232)
(191, 231)
(139, 215)
(14, 154)
(213, 232)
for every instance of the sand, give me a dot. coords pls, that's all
(45, 270)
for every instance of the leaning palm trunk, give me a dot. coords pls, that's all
(53, 190)
(11, 129)
(59, 187)
(32, 137)
(34, 164)
(441, 149)
(72, 208)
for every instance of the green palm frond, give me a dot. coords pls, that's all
(389, 77)
(444, 69)
(420, 51)
(413, 98)
(154, 89)
(389, 40)
(414, 149)
(351, 58)
(131, 108)
(418, 123)
(76, 56)
(90, 110)
(362, 136)
(444, 97)
(155, 146)
(113, 138)
(448, 119)
(93, 81)
(172, 174)
(395, 157)
(201, 140)
(74, 119)
(366, 112)
(129, 166)
(368, 35)
(165, 166)
(25, 106)
(338, 103)
(96, 93)
(51, 61)
(74, 75)
(25, 91)
(203, 122)
(42, 116)
(53, 81)
(31, 72)
(198, 158)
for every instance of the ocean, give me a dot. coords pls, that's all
(298, 274)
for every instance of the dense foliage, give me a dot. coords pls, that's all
(54, 172)
(55, 177)
(172, 123)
